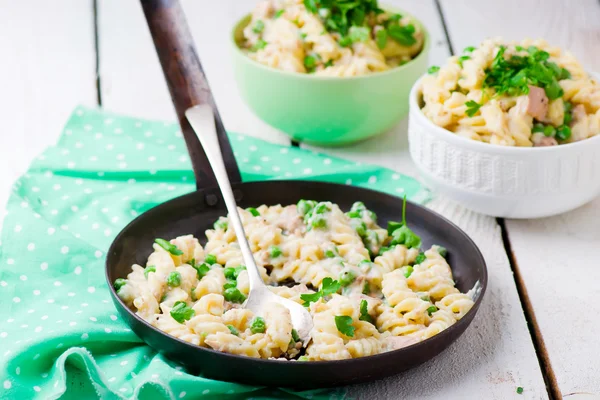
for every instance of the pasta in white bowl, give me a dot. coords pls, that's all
(525, 93)
(369, 289)
(508, 130)
(330, 38)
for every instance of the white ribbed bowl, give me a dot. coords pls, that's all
(503, 181)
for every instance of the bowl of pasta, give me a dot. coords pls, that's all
(509, 129)
(327, 73)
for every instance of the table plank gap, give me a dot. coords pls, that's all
(97, 55)
(532, 323)
(440, 11)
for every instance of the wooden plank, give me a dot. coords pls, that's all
(132, 81)
(48, 68)
(555, 258)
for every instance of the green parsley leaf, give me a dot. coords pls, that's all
(278, 13)
(259, 26)
(201, 270)
(420, 258)
(295, 336)
(461, 59)
(472, 107)
(260, 44)
(253, 211)
(364, 312)
(119, 283)
(233, 330)
(381, 38)
(343, 323)
(328, 287)
(311, 5)
(402, 34)
(469, 49)
(220, 224)
(210, 259)
(181, 312)
(433, 69)
(359, 34)
(258, 325)
(171, 248)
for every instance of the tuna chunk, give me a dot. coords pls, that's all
(539, 140)
(579, 114)
(537, 104)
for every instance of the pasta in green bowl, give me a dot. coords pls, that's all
(368, 289)
(328, 72)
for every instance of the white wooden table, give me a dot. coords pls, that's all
(537, 327)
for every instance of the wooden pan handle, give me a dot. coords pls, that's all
(187, 83)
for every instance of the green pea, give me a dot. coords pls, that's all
(210, 259)
(229, 273)
(431, 310)
(568, 118)
(305, 206)
(234, 295)
(174, 279)
(318, 222)
(201, 269)
(353, 214)
(258, 325)
(420, 258)
(563, 133)
(321, 208)
(346, 278)
(149, 268)
(360, 227)
(358, 206)
(330, 254)
(119, 283)
(253, 211)
(538, 128)
(230, 284)
(275, 251)
(549, 131)
(442, 251)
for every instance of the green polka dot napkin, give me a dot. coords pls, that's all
(60, 334)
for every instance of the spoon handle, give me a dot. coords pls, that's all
(202, 121)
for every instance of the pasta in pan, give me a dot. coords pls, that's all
(369, 289)
(330, 37)
(514, 94)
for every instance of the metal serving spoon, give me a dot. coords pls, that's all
(201, 119)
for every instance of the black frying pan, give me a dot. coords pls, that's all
(195, 212)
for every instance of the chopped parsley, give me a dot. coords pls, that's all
(279, 13)
(328, 287)
(401, 233)
(462, 59)
(253, 211)
(181, 312)
(259, 26)
(171, 248)
(469, 49)
(472, 107)
(233, 330)
(343, 323)
(201, 269)
(514, 75)
(260, 44)
(381, 38)
(295, 336)
(433, 69)
(364, 312)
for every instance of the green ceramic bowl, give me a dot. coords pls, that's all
(326, 111)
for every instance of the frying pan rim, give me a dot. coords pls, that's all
(483, 280)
